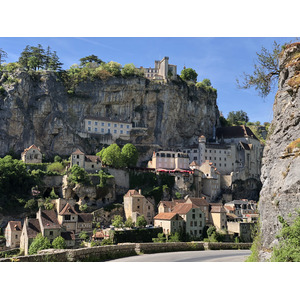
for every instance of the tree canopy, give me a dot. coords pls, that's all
(130, 155)
(90, 59)
(59, 243)
(189, 74)
(117, 221)
(141, 221)
(237, 117)
(266, 71)
(36, 58)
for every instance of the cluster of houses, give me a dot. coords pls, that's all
(63, 220)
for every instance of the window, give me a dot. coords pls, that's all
(96, 129)
(127, 126)
(115, 131)
(89, 128)
(209, 151)
(102, 124)
(121, 131)
(148, 207)
(77, 156)
(108, 124)
(127, 132)
(16, 236)
(200, 223)
(89, 122)
(193, 216)
(96, 123)
(108, 130)
(195, 223)
(200, 215)
(195, 231)
(195, 150)
(92, 166)
(67, 218)
(191, 223)
(195, 157)
(138, 206)
(121, 125)
(51, 233)
(220, 165)
(115, 125)
(200, 231)
(220, 158)
(102, 129)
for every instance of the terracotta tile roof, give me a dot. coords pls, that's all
(68, 235)
(49, 219)
(85, 218)
(234, 132)
(131, 193)
(197, 201)
(68, 210)
(92, 158)
(33, 228)
(78, 152)
(229, 208)
(15, 225)
(232, 216)
(31, 147)
(168, 204)
(166, 216)
(183, 208)
(217, 208)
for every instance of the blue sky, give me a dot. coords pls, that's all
(221, 59)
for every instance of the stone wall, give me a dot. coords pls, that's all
(101, 253)
(121, 177)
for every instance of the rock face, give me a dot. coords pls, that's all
(280, 194)
(37, 109)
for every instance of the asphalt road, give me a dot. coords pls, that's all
(190, 256)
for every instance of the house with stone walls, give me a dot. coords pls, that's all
(194, 218)
(91, 163)
(32, 155)
(169, 221)
(218, 216)
(135, 205)
(31, 227)
(12, 234)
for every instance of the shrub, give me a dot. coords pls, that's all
(117, 221)
(141, 221)
(160, 238)
(78, 175)
(57, 167)
(57, 158)
(107, 242)
(59, 243)
(39, 243)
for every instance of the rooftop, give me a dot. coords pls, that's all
(234, 132)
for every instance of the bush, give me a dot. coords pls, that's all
(59, 243)
(107, 242)
(39, 243)
(57, 158)
(57, 167)
(79, 175)
(161, 238)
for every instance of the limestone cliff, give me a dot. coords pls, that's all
(280, 194)
(37, 109)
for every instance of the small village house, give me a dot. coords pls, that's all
(169, 221)
(32, 155)
(13, 234)
(91, 163)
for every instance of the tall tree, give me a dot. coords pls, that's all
(24, 58)
(266, 71)
(237, 117)
(130, 155)
(90, 59)
(189, 74)
(3, 55)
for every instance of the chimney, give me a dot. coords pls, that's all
(140, 191)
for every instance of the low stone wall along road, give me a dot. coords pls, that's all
(190, 256)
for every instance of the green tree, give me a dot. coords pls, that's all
(57, 158)
(56, 167)
(128, 70)
(141, 221)
(59, 243)
(111, 156)
(90, 59)
(288, 249)
(53, 195)
(266, 71)
(130, 155)
(3, 55)
(206, 82)
(129, 223)
(160, 238)
(78, 175)
(237, 117)
(174, 237)
(117, 221)
(113, 68)
(83, 235)
(106, 242)
(39, 243)
(189, 74)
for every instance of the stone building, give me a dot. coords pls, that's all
(194, 218)
(233, 149)
(162, 70)
(135, 204)
(91, 163)
(170, 222)
(169, 160)
(32, 155)
(218, 216)
(13, 234)
(108, 126)
(31, 228)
